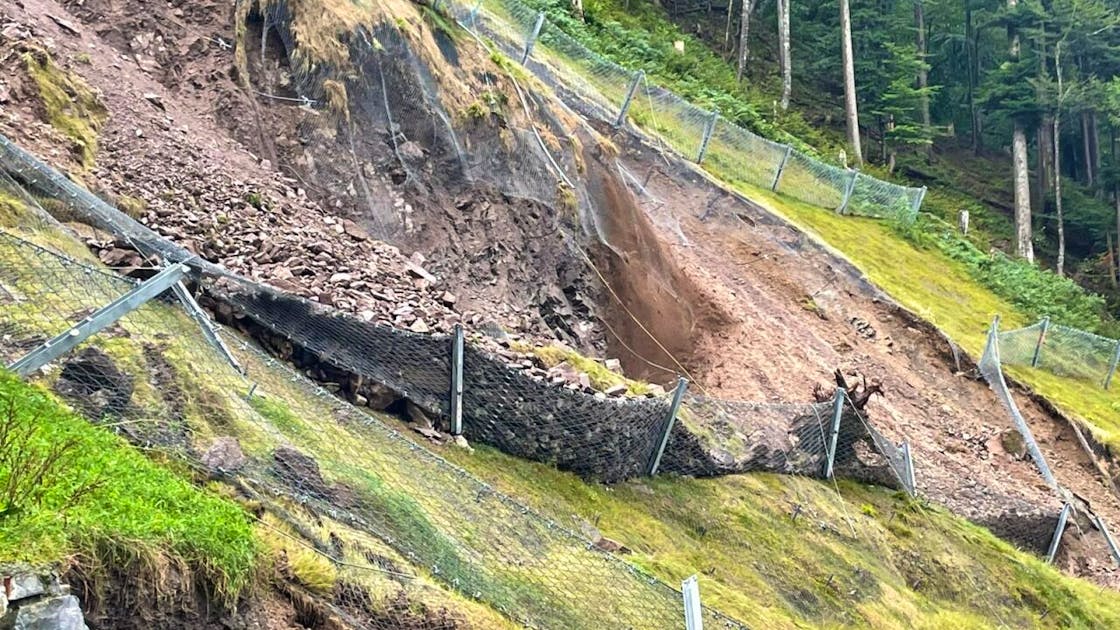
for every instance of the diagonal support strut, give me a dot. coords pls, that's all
(99, 320)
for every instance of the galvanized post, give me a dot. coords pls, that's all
(1058, 531)
(99, 320)
(1108, 539)
(912, 485)
(1112, 366)
(529, 43)
(693, 612)
(207, 326)
(918, 201)
(708, 129)
(674, 407)
(474, 13)
(847, 193)
(634, 83)
(834, 434)
(781, 167)
(457, 381)
(1041, 340)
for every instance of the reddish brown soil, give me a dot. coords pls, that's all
(800, 313)
(750, 306)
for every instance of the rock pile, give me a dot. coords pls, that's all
(30, 601)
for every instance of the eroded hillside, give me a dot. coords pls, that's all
(380, 160)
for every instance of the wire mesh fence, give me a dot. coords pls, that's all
(395, 518)
(1063, 351)
(733, 153)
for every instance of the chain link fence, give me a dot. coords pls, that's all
(612, 94)
(1062, 350)
(1024, 347)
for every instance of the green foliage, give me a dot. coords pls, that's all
(106, 501)
(1034, 291)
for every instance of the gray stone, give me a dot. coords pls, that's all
(613, 365)
(224, 455)
(58, 613)
(24, 585)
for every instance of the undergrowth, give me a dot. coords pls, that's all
(105, 501)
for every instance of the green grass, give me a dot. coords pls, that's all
(855, 556)
(134, 509)
(946, 293)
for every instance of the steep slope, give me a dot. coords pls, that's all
(725, 314)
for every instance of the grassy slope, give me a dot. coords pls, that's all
(945, 292)
(959, 298)
(136, 511)
(905, 565)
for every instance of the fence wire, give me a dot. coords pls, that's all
(733, 153)
(393, 514)
(1062, 350)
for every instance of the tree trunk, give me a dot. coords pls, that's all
(850, 109)
(970, 37)
(1058, 186)
(1088, 150)
(744, 39)
(783, 52)
(1095, 147)
(923, 74)
(1044, 175)
(1023, 245)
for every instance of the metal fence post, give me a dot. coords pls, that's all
(529, 43)
(1058, 531)
(99, 320)
(1041, 340)
(207, 326)
(634, 83)
(708, 129)
(781, 167)
(1112, 366)
(474, 14)
(847, 193)
(674, 407)
(457, 381)
(693, 612)
(1108, 539)
(917, 205)
(910, 480)
(834, 434)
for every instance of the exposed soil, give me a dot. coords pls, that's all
(751, 307)
(801, 313)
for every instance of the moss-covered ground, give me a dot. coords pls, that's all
(102, 501)
(790, 552)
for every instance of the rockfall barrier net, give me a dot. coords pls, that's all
(1062, 350)
(393, 519)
